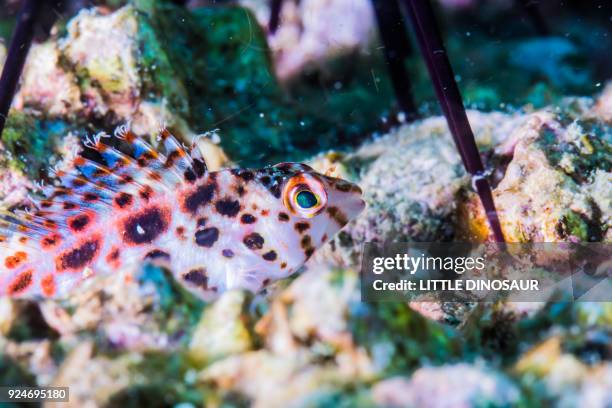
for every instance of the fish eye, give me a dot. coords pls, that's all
(306, 199)
(304, 195)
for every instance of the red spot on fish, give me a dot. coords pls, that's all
(146, 192)
(14, 261)
(21, 283)
(48, 285)
(124, 200)
(113, 257)
(78, 257)
(51, 241)
(79, 222)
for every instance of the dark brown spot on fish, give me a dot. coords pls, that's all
(155, 176)
(283, 265)
(20, 283)
(246, 175)
(282, 216)
(157, 254)
(253, 241)
(308, 252)
(270, 256)
(200, 197)
(197, 277)
(50, 224)
(99, 173)
(46, 204)
(247, 219)
(265, 213)
(199, 167)
(23, 240)
(190, 176)
(228, 207)
(180, 231)
(171, 158)
(306, 241)
(124, 200)
(337, 215)
(266, 282)
(201, 222)
(228, 253)
(145, 226)
(79, 222)
(69, 206)
(344, 187)
(126, 179)
(50, 241)
(145, 192)
(301, 226)
(79, 257)
(207, 237)
(240, 190)
(90, 197)
(59, 193)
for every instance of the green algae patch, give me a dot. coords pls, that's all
(221, 58)
(399, 338)
(28, 141)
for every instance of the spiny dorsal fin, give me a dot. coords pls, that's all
(57, 223)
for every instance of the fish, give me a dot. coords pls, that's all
(126, 203)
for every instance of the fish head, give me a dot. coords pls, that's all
(289, 210)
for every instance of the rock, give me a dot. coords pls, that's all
(7, 315)
(271, 380)
(92, 380)
(46, 86)
(101, 69)
(12, 374)
(567, 379)
(312, 308)
(137, 311)
(313, 32)
(413, 181)
(305, 324)
(551, 190)
(14, 186)
(461, 385)
(222, 330)
(603, 106)
(34, 356)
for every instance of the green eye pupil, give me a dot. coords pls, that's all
(306, 199)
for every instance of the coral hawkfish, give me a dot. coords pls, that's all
(233, 228)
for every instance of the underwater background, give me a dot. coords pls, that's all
(318, 90)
